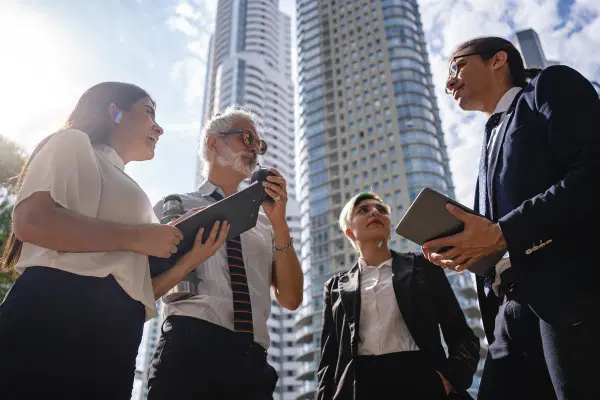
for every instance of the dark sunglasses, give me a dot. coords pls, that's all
(249, 139)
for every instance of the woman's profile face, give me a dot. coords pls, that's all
(137, 132)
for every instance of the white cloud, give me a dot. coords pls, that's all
(195, 20)
(182, 24)
(449, 22)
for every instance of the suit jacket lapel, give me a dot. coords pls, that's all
(402, 268)
(349, 286)
(497, 150)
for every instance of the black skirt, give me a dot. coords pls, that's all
(68, 336)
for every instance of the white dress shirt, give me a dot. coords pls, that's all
(382, 329)
(502, 107)
(90, 181)
(214, 303)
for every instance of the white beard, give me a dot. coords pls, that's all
(229, 158)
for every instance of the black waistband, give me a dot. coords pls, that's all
(213, 335)
(406, 358)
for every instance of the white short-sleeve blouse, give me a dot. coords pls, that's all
(90, 180)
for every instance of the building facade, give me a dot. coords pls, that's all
(369, 120)
(533, 53)
(531, 49)
(150, 336)
(249, 65)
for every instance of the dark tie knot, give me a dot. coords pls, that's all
(492, 122)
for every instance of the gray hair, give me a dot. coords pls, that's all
(221, 122)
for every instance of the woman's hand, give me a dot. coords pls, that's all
(156, 240)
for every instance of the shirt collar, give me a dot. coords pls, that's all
(110, 155)
(506, 100)
(206, 189)
(363, 264)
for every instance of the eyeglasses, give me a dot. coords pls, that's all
(453, 67)
(249, 139)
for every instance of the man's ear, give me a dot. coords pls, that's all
(211, 143)
(500, 59)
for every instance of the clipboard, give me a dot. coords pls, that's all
(427, 218)
(241, 211)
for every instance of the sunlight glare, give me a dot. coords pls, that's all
(34, 72)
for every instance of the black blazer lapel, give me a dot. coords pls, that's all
(349, 286)
(496, 154)
(402, 268)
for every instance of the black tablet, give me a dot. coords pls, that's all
(427, 218)
(240, 210)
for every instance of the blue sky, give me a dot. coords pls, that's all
(52, 50)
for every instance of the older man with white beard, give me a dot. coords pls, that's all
(214, 344)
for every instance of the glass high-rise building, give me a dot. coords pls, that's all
(249, 65)
(368, 121)
(531, 49)
(150, 336)
(533, 52)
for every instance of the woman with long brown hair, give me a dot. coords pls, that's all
(82, 233)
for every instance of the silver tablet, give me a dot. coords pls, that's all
(427, 218)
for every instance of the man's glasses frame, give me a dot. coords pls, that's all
(453, 66)
(249, 138)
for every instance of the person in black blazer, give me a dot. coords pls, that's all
(382, 318)
(538, 175)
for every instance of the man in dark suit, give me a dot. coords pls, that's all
(539, 168)
(382, 318)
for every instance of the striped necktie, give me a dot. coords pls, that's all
(242, 307)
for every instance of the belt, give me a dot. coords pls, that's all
(213, 335)
(410, 359)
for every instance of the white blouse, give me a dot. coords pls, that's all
(90, 181)
(382, 328)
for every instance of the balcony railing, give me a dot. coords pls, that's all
(307, 369)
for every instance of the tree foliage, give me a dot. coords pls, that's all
(12, 158)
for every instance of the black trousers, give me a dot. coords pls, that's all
(67, 336)
(195, 359)
(531, 359)
(404, 375)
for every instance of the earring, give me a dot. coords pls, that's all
(117, 117)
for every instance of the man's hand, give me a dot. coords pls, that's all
(479, 238)
(276, 187)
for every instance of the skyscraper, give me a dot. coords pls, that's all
(531, 49)
(150, 336)
(369, 120)
(533, 52)
(249, 65)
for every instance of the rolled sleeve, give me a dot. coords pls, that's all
(67, 168)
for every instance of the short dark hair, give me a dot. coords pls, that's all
(487, 47)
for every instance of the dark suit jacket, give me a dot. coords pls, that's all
(425, 299)
(542, 189)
